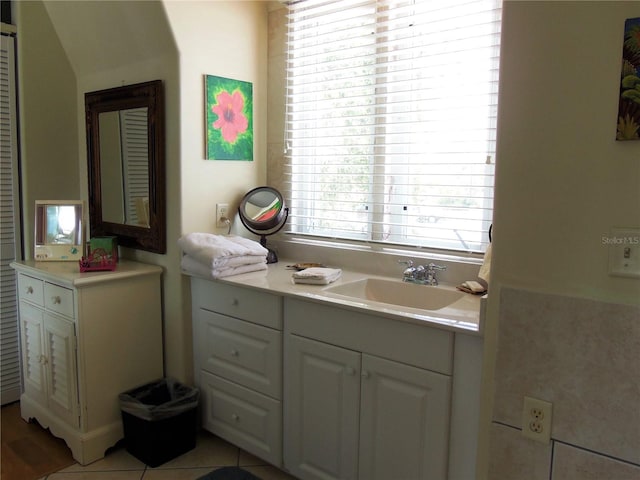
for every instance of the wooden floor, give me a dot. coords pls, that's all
(28, 451)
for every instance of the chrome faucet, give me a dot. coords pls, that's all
(421, 274)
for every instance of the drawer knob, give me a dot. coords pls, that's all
(56, 300)
(235, 302)
(365, 374)
(235, 417)
(234, 352)
(29, 290)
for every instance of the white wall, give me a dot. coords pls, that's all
(226, 39)
(562, 180)
(47, 111)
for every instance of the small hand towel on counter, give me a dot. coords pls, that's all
(471, 286)
(316, 275)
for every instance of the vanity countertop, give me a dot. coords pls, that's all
(464, 316)
(69, 272)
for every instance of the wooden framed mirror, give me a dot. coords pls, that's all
(126, 165)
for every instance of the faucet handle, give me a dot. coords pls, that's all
(408, 263)
(433, 267)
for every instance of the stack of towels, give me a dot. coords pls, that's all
(218, 256)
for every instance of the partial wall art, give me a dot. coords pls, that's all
(629, 106)
(229, 118)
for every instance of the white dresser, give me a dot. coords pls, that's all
(86, 338)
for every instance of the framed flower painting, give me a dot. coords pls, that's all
(629, 104)
(229, 118)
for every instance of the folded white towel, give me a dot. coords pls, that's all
(191, 265)
(317, 275)
(226, 262)
(217, 250)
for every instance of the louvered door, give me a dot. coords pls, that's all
(60, 359)
(9, 227)
(33, 358)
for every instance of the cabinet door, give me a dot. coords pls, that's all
(322, 393)
(404, 421)
(33, 358)
(60, 354)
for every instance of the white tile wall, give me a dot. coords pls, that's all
(514, 457)
(584, 357)
(571, 463)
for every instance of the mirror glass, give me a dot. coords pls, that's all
(58, 230)
(262, 208)
(124, 175)
(125, 147)
(262, 211)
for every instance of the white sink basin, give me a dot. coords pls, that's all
(396, 292)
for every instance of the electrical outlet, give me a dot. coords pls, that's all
(222, 214)
(624, 252)
(536, 419)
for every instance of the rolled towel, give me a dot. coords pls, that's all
(316, 275)
(217, 250)
(191, 265)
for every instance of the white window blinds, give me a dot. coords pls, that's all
(391, 117)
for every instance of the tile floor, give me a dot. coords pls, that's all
(211, 452)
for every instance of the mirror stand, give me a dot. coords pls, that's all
(272, 257)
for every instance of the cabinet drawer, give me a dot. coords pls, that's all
(31, 289)
(257, 307)
(243, 417)
(240, 351)
(58, 299)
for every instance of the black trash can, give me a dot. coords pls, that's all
(160, 420)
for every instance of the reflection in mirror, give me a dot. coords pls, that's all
(262, 212)
(58, 230)
(125, 166)
(125, 153)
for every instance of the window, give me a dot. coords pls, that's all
(391, 119)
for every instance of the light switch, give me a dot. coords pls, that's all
(624, 252)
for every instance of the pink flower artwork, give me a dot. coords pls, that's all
(231, 120)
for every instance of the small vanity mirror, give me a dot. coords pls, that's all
(125, 152)
(262, 212)
(58, 230)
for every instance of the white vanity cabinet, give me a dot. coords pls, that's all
(332, 391)
(364, 397)
(237, 337)
(86, 338)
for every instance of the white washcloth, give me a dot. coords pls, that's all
(316, 275)
(217, 251)
(191, 265)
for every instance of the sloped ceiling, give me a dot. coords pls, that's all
(101, 35)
